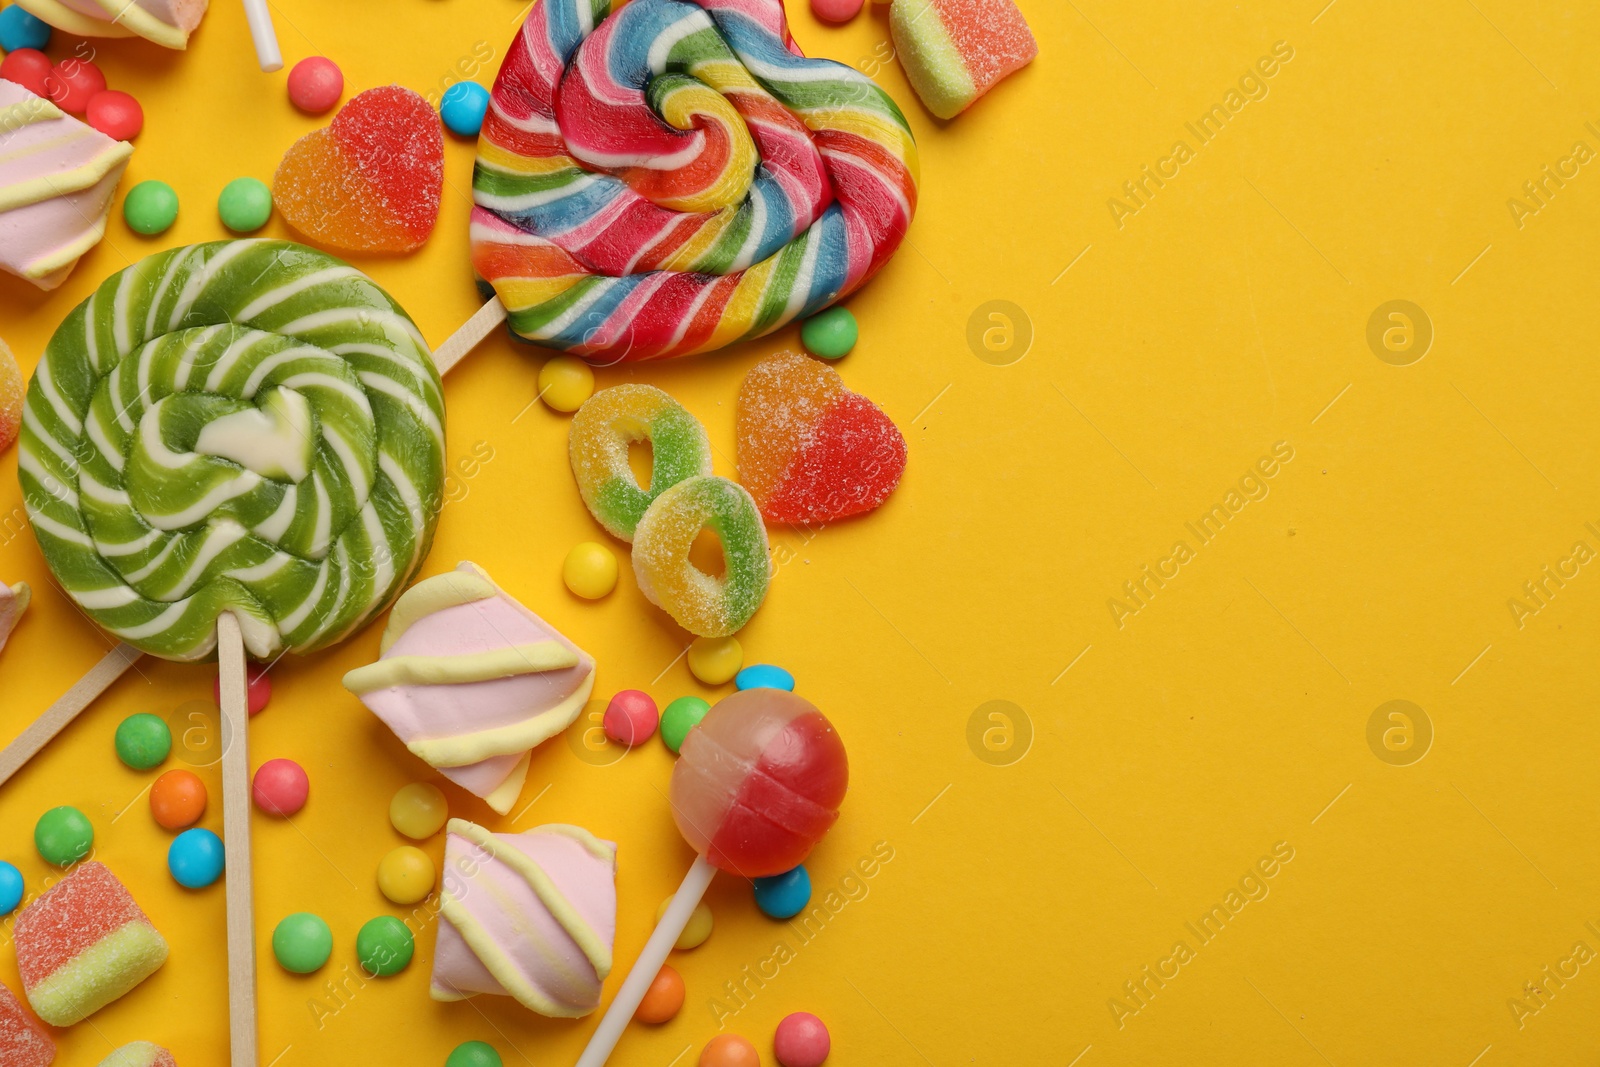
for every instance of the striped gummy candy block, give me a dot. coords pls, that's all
(954, 51)
(84, 944)
(140, 1054)
(695, 181)
(23, 1042)
(244, 426)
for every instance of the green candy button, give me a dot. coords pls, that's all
(474, 1054)
(384, 946)
(143, 741)
(831, 334)
(245, 205)
(151, 208)
(63, 836)
(681, 716)
(302, 942)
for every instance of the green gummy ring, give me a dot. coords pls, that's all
(244, 426)
(598, 441)
(701, 604)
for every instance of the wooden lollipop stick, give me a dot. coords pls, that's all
(236, 842)
(648, 965)
(63, 711)
(471, 334)
(266, 38)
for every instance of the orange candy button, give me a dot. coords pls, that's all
(178, 799)
(663, 1000)
(729, 1050)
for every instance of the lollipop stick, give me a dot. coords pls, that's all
(266, 38)
(63, 711)
(236, 843)
(648, 965)
(471, 334)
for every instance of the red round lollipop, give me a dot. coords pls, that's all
(758, 782)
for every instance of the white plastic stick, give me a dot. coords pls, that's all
(470, 335)
(236, 842)
(648, 965)
(266, 38)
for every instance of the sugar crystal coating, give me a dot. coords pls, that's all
(704, 605)
(811, 451)
(83, 944)
(371, 181)
(598, 441)
(23, 1042)
(954, 51)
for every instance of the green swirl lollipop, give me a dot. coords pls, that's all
(244, 427)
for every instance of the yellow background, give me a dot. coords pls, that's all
(1228, 715)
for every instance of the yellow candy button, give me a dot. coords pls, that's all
(565, 383)
(406, 875)
(419, 810)
(694, 935)
(590, 570)
(715, 660)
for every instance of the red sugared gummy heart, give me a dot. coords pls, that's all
(372, 180)
(810, 450)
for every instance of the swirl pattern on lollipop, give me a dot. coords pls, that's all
(677, 176)
(244, 426)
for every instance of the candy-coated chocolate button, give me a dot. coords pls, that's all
(315, 85)
(699, 928)
(406, 875)
(302, 943)
(21, 29)
(245, 205)
(783, 896)
(663, 1000)
(764, 676)
(178, 799)
(151, 208)
(63, 836)
(474, 1054)
(630, 718)
(196, 858)
(590, 570)
(715, 660)
(801, 1041)
(463, 108)
(681, 716)
(281, 787)
(419, 810)
(384, 946)
(565, 382)
(11, 888)
(143, 741)
(729, 1050)
(833, 333)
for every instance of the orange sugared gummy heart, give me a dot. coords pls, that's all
(810, 450)
(372, 180)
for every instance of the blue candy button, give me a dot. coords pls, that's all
(463, 108)
(783, 896)
(195, 858)
(764, 676)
